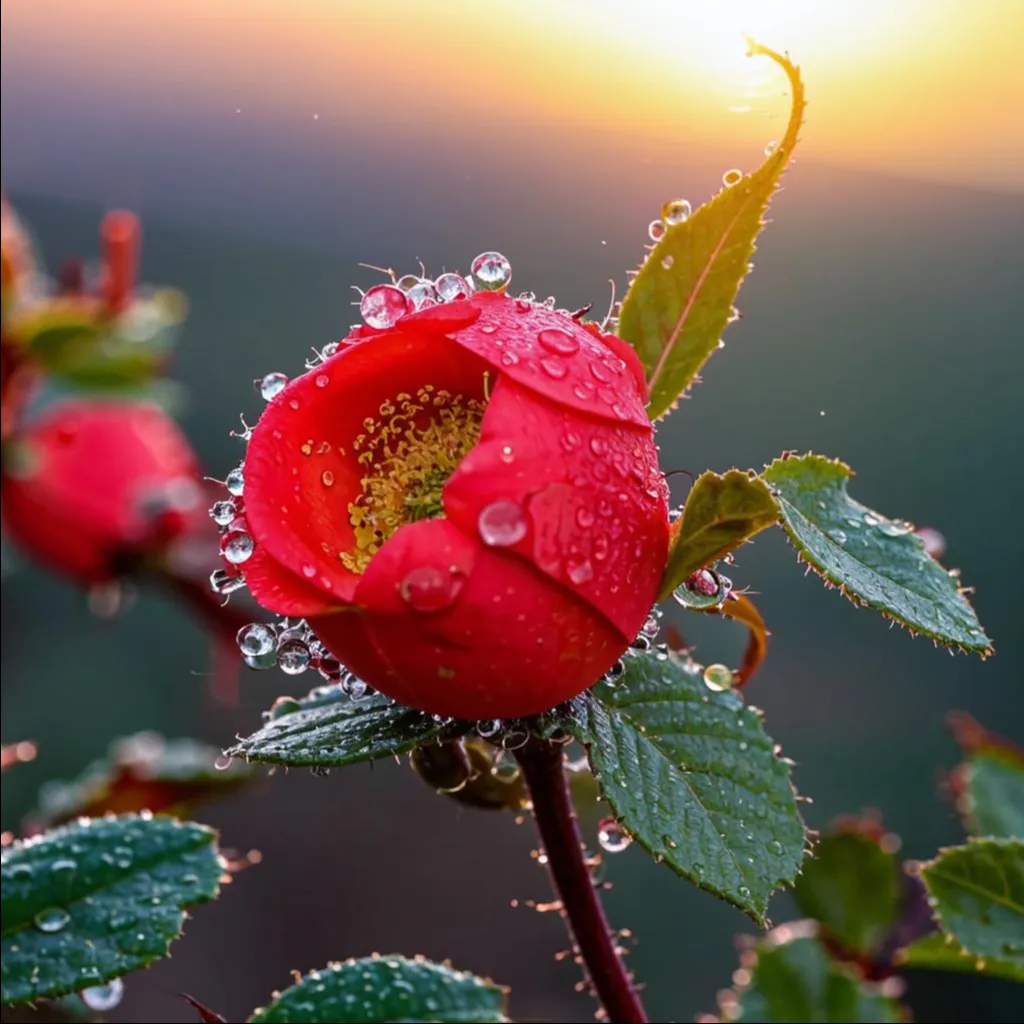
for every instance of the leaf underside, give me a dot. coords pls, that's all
(797, 982)
(88, 902)
(694, 778)
(382, 989)
(720, 514)
(977, 897)
(331, 730)
(680, 302)
(875, 561)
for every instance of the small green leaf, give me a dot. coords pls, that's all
(695, 779)
(328, 729)
(680, 302)
(875, 561)
(852, 888)
(795, 981)
(88, 902)
(989, 784)
(141, 772)
(379, 990)
(938, 952)
(721, 513)
(977, 896)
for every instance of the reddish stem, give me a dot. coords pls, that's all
(542, 765)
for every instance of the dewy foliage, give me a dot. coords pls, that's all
(694, 778)
(797, 982)
(720, 514)
(680, 303)
(328, 729)
(88, 902)
(977, 896)
(875, 561)
(853, 888)
(378, 990)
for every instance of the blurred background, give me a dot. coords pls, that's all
(270, 145)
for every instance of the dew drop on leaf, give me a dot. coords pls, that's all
(101, 998)
(52, 919)
(611, 836)
(718, 678)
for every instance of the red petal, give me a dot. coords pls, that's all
(508, 643)
(592, 494)
(281, 591)
(301, 471)
(551, 354)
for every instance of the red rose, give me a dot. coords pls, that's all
(93, 485)
(466, 508)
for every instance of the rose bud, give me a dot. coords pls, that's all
(464, 503)
(92, 486)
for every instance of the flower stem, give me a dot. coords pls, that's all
(542, 766)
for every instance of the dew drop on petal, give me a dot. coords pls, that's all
(223, 512)
(322, 380)
(554, 368)
(611, 836)
(271, 385)
(502, 523)
(293, 656)
(451, 287)
(407, 282)
(579, 570)
(235, 481)
(560, 342)
(237, 546)
(101, 998)
(718, 678)
(256, 639)
(422, 295)
(384, 305)
(491, 271)
(430, 589)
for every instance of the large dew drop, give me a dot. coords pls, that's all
(491, 272)
(718, 678)
(429, 589)
(52, 919)
(451, 287)
(611, 836)
(703, 589)
(237, 545)
(223, 512)
(384, 305)
(256, 639)
(293, 656)
(101, 998)
(502, 523)
(271, 385)
(676, 211)
(235, 482)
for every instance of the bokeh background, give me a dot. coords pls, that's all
(270, 145)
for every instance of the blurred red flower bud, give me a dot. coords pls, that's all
(466, 506)
(93, 486)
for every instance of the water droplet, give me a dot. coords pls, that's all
(579, 570)
(223, 512)
(491, 271)
(101, 998)
(676, 211)
(775, 847)
(237, 545)
(507, 454)
(732, 177)
(451, 287)
(284, 706)
(601, 372)
(322, 380)
(52, 919)
(502, 523)
(895, 527)
(235, 481)
(584, 518)
(667, 262)
(611, 836)
(223, 582)
(293, 656)
(429, 589)
(839, 536)
(560, 342)
(718, 678)
(422, 295)
(744, 891)
(704, 589)
(223, 762)
(617, 671)
(327, 478)
(353, 687)
(770, 147)
(652, 626)
(20, 872)
(488, 728)
(554, 368)
(256, 639)
(509, 358)
(271, 385)
(64, 865)
(870, 519)
(656, 229)
(384, 305)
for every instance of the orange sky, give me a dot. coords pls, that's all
(922, 88)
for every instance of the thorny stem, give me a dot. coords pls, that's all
(542, 766)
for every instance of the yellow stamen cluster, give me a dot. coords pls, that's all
(409, 453)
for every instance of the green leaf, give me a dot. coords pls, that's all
(385, 989)
(721, 513)
(88, 902)
(694, 778)
(328, 729)
(989, 784)
(797, 982)
(852, 887)
(938, 952)
(977, 895)
(680, 302)
(141, 772)
(875, 561)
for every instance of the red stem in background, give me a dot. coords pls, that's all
(121, 234)
(542, 764)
